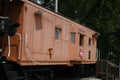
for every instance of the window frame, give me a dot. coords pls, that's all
(72, 37)
(89, 54)
(89, 41)
(58, 33)
(81, 40)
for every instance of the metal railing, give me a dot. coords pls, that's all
(107, 70)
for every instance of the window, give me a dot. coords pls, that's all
(89, 41)
(89, 54)
(72, 37)
(57, 33)
(81, 40)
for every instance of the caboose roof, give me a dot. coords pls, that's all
(57, 14)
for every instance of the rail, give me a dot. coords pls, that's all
(106, 70)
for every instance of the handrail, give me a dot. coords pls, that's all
(9, 51)
(27, 50)
(20, 41)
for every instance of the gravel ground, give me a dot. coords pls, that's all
(90, 79)
(77, 79)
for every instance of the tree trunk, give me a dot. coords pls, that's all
(119, 69)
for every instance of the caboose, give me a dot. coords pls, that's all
(46, 41)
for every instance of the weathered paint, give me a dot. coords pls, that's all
(39, 46)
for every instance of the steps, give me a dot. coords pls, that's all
(10, 70)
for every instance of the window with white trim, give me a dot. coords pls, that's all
(57, 33)
(72, 37)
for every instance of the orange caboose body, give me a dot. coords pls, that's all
(47, 38)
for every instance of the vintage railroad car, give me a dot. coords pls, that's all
(46, 38)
